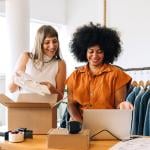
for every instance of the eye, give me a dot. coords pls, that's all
(46, 42)
(100, 52)
(90, 51)
(55, 41)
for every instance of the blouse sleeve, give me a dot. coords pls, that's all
(122, 79)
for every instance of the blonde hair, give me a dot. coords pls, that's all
(37, 53)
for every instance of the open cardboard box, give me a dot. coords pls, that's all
(32, 111)
(59, 138)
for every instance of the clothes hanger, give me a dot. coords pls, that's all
(147, 84)
(134, 83)
(141, 83)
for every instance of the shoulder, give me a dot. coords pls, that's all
(116, 68)
(25, 55)
(61, 66)
(119, 72)
(79, 71)
(61, 63)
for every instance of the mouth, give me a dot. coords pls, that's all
(51, 50)
(95, 61)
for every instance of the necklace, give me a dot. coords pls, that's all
(47, 59)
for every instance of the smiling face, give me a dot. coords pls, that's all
(95, 56)
(50, 46)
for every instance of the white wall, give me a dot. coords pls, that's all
(132, 19)
(48, 10)
(81, 12)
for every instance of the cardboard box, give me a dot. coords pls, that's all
(61, 139)
(32, 111)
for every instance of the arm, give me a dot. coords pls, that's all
(60, 81)
(120, 97)
(20, 67)
(74, 111)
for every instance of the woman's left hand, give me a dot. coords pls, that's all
(52, 89)
(125, 105)
(48, 84)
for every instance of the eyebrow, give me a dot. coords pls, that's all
(50, 39)
(94, 49)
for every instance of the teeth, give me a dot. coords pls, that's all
(51, 50)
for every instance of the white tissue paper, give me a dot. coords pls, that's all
(26, 82)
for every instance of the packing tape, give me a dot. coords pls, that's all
(16, 136)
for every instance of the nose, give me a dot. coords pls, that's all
(51, 45)
(95, 54)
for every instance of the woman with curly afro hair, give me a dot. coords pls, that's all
(98, 84)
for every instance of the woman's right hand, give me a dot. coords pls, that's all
(125, 105)
(74, 111)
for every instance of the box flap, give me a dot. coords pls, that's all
(64, 131)
(34, 98)
(30, 100)
(4, 100)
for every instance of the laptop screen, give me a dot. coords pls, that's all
(108, 123)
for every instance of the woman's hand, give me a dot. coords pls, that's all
(74, 111)
(52, 89)
(49, 85)
(125, 105)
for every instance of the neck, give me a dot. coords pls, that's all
(47, 59)
(94, 69)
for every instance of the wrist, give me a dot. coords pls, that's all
(49, 86)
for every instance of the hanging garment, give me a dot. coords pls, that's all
(146, 129)
(130, 89)
(131, 97)
(142, 111)
(135, 120)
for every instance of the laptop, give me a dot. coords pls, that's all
(108, 123)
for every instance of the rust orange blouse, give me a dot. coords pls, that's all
(98, 91)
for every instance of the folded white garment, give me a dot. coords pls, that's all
(26, 82)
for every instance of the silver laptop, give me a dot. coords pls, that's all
(108, 123)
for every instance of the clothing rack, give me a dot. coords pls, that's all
(137, 69)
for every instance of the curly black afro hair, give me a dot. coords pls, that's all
(91, 35)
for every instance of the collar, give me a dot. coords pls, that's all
(102, 69)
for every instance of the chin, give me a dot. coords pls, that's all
(50, 55)
(96, 64)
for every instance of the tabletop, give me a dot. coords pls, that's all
(39, 142)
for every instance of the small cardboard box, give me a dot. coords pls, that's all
(60, 139)
(32, 111)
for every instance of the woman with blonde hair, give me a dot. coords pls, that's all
(44, 63)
